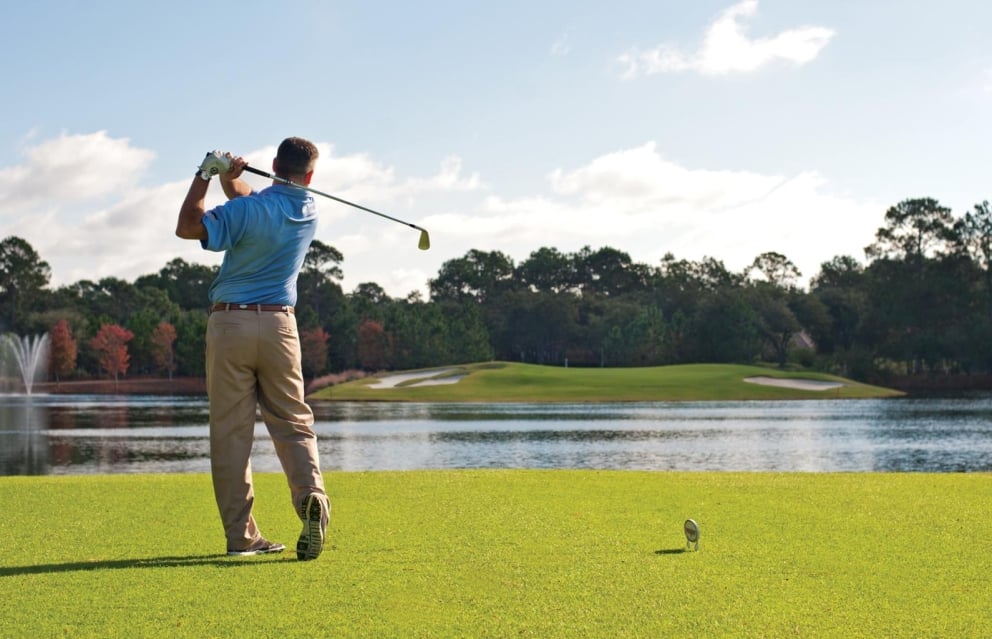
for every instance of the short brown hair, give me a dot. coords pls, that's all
(295, 157)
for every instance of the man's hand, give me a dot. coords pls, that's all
(230, 180)
(235, 167)
(215, 163)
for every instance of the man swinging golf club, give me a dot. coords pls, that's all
(253, 349)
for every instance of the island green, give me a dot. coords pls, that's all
(515, 382)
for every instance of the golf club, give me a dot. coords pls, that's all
(423, 244)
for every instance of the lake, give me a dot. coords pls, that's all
(80, 434)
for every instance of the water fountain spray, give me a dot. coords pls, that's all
(31, 355)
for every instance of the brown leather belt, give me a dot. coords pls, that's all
(258, 308)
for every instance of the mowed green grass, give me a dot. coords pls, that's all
(513, 553)
(513, 382)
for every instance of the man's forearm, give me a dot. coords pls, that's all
(231, 182)
(235, 188)
(190, 223)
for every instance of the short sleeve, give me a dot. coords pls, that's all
(225, 224)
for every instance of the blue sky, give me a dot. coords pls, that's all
(708, 128)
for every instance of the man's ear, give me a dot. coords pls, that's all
(307, 178)
(273, 165)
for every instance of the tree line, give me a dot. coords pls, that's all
(919, 303)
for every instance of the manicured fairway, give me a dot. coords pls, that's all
(507, 554)
(513, 382)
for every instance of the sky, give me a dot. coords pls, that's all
(713, 128)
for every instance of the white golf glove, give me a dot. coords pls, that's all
(215, 163)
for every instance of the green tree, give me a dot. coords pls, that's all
(841, 288)
(318, 286)
(143, 323)
(608, 271)
(479, 277)
(547, 271)
(636, 335)
(536, 327)
(776, 322)
(190, 345)
(913, 305)
(370, 301)
(23, 276)
(468, 339)
(777, 270)
(723, 328)
(185, 284)
(914, 229)
(974, 232)
(420, 334)
(682, 284)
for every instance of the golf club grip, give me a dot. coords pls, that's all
(252, 169)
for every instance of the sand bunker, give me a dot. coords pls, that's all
(800, 384)
(430, 378)
(392, 381)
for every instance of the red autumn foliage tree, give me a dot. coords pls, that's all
(63, 350)
(163, 338)
(374, 345)
(110, 344)
(313, 344)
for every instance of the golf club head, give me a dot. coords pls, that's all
(425, 241)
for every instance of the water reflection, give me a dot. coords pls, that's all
(120, 434)
(23, 450)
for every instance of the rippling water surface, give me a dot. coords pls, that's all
(59, 434)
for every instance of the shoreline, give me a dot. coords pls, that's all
(129, 386)
(924, 384)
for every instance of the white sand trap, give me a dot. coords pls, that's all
(800, 384)
(439, 382)
(392, 381)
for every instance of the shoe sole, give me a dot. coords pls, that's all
(261, 551)
(311, 541)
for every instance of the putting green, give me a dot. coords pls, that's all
(512, 382)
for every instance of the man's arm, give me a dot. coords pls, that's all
(190, 224)
(229, 168)
(231, 180)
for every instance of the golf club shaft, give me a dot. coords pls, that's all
(252, 169)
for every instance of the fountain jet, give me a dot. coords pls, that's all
(30, 354)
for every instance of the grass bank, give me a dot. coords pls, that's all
(507, 554)
(513, 382)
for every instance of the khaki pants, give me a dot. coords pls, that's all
(253, 358)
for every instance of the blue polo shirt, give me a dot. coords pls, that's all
(265, 237)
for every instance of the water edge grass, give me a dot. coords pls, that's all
(507, 553)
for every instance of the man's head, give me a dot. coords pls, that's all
(295, 160)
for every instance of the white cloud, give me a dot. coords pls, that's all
(640, 178)
(73, 168)
(633, 199)
(360, 179)
(727, 49)
(638, 202)
(77, 201)
(448, 179)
